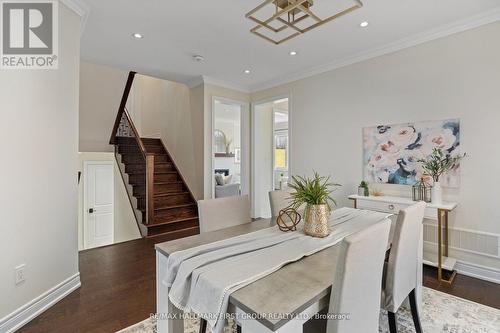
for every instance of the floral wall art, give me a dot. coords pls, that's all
(391, 151)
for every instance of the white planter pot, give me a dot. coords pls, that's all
(437, 194)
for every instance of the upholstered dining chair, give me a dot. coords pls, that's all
(400, 273)
(278, 199)
(358, 276)
(222, 213)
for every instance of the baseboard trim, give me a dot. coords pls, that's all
(478, 271)
(32, 309)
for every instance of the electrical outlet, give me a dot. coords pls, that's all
(20, 276)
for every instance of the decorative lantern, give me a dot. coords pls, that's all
(421, 191)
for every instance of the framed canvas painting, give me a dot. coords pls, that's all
(391, 152)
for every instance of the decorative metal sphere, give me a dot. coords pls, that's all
(288, 219)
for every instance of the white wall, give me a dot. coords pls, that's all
(39, 138)
(453, 77)
(262, 159)
(125, 225)
(197, 103)
(101, 90)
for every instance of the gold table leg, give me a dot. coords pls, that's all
(355, 202)
(444, 212)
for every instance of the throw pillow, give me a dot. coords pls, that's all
(219, 179)
(228, 179)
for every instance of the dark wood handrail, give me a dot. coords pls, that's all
(136, 134)
(121, 109)
(148, 158)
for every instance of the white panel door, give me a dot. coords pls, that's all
(98, 205)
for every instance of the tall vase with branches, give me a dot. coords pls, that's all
(435, 166)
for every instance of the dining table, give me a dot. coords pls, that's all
(279, 302)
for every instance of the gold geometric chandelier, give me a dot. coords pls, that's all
(289, 18)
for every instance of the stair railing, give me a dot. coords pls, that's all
(124, 127)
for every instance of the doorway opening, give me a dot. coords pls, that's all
(229, 146)
(271, 152)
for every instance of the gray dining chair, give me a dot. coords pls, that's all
(401, 269)
(222, 213)
(279, 200)
(358, 277)
(215, 214)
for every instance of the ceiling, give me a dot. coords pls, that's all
(175, 30)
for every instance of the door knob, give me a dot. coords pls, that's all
(91, 210)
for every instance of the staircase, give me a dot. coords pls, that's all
(163, 203)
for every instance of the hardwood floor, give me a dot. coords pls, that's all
(118, 290)
(475, 290)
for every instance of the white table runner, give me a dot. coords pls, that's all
(202, 278)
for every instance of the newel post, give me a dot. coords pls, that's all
(150, 173)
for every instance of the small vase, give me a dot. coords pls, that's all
(437, 194)
(361, 191)
(316, 221)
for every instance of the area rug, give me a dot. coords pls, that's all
(441, 313)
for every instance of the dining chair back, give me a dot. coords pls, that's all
(222, 213)
(279, 200)
(356, 289)
(402, 267)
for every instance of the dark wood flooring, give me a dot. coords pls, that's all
(118, 290)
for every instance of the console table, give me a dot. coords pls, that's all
(434, 212)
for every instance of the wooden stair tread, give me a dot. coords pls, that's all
(165, 194)
(194, 230)
(161, 162)
(156, 162)
(169, 194)
(176, 206)
(152, 225)
(166, 183)
(136, 172)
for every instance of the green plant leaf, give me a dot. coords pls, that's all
(312, 191)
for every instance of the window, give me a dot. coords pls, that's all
(281, 150)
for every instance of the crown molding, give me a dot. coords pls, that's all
(202, 79)
(225, 84)
(194, 82)
(430, 35)
(81, 9)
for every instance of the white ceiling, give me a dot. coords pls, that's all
(175, 30)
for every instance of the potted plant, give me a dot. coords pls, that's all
(363, 189)
(435, 166)
(315, 194)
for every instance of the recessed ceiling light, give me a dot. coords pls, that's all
(198, 58)
(247, 71)
(137, 35)
(292, 53)
(363, 24)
